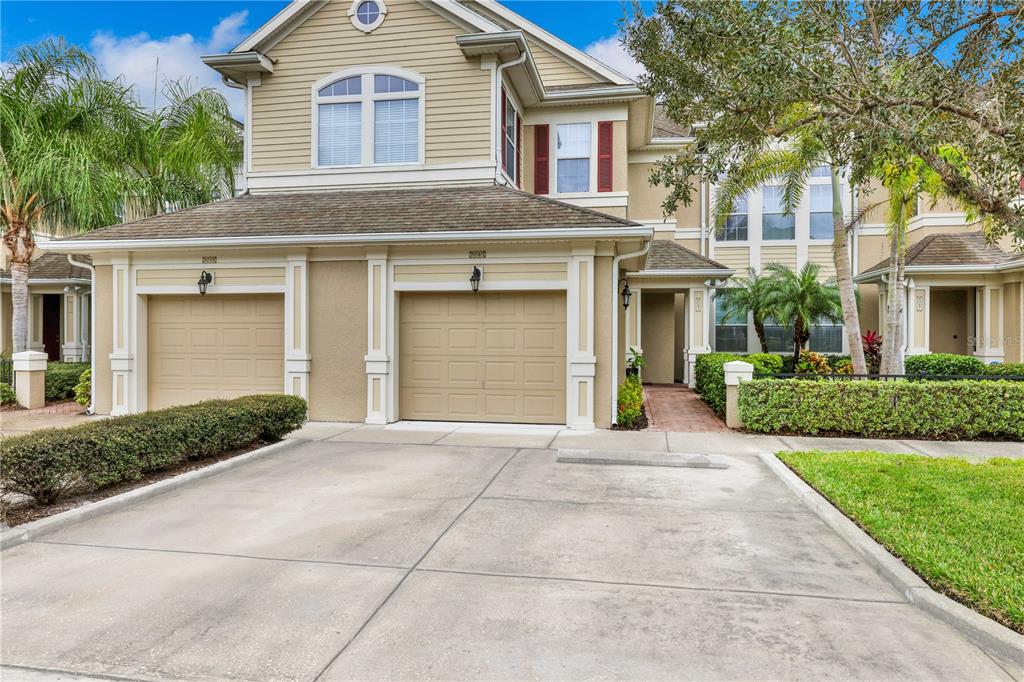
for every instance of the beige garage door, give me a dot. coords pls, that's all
(203, 347)
(496, 357)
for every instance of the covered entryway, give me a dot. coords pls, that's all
(203, 347)
(490, 357)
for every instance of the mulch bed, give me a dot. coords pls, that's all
(642, 423)
(30, 511)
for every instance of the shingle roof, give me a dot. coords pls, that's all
(968, 248)
(357, 212)
(666, 254)
(51, 266)
(665, 126)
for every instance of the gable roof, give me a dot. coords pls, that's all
(665, 127)
(50, 267)
(938, 252)
(668, 256)
(360, 216)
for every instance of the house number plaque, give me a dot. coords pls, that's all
(478, 254)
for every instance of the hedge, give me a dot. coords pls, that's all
(709, 374)
(950, 410)
(1006, 369)
(47, 464)
(61, 378)
(943, 363)
(7, 395)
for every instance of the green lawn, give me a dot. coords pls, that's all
(959, 525)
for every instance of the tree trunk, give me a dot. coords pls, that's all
(19, 303)
(898, 366)
(759, 330)
(844, 279)
(892, 339)
(799, 339)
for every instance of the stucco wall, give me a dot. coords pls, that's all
(337, 340)
(1012, 314)
(103, 340)
(657, 332)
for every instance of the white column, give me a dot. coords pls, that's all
(122, 361)
(989, 328)
(580, 340)
(35, 322)
(71, 348)
(296, 326)
(378, 361)
(918, 319)
(697, 338)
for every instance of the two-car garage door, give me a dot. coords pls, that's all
(203, 347)
(489, 357)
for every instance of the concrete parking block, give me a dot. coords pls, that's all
(730, 443)
(469, 627)
(632, 441)
(166, 615)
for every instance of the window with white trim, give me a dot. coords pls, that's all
(776, 223)
(509, 137)
(736, 222)
(367, 15)
(821, 211)
(369, 118)
(572, 153)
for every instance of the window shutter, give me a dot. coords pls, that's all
(604, 156)
(541, 150)
(504, 108)
(519, 152)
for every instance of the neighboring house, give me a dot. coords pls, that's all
(445, 204)
(58, 311)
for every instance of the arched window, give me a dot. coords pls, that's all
(371, 117)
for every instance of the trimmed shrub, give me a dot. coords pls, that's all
(764, 363)
(7, 396)
(631, 402)
(894, 409)
(709, 374)
(1006, 369)
(46, 464)
(943, 363)
(61, 378)
(83, 389)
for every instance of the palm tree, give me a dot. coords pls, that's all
(749, 296)
(800, 299)
(792, 166)
(78, 152)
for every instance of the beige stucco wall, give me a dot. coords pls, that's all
(948, 315)
(337, 340)
(103, 343)
(658, 323)
(645, 199)
(1012, 314)
(411, 37)
(603, 341)
(868, 308)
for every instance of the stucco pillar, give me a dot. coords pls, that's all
(296, 326)
(989, 324)
(71, 346)
(735, 372)
(697, 333)
(30, 378)
(918, 316)
(122, 357)
(582, 359)
(35, 321)
(378, 359)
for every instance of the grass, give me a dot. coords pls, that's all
(960, 526)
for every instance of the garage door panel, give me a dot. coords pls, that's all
(214, 347)
(491, 357)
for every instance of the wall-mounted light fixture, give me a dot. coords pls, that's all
(204, 281)
(626, 293)
(474, 279)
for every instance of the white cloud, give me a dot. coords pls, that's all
(143, 61)
(610, 51)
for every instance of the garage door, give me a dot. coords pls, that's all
(495, 357)
(203, 347)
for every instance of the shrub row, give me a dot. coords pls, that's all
(939, 364)
(47, 464)
(896, 409)
(61, 378)
(631, 402)
(709, 374)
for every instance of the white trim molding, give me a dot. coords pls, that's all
(353, 10)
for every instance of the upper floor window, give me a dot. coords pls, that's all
(572, 152)
(736, 222)
(775, 222)
(510, 124)
(821, 172)
(821, 211)
(367, 15)
(369, 118)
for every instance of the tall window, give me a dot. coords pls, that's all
(821, 172)
(509, 137)
(730, 331)
(775, 222)
(736, 222)
(821, 211)
(826, 337)
(368, 119)
(572, 151)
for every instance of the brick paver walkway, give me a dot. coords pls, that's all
(13, 422)
(674, 407)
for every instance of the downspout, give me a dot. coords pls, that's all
(615, 322)
(703, 221)
(92, 332)
(495, 133)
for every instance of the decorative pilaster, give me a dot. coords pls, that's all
(918, 319)
(71, 348)
(296, 327)
(580, 331)
(989, 324)
(697, 339)
(378, 361)
(35, 322)
(122, 360)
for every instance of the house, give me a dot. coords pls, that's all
(448, 217)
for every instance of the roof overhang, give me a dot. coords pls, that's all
(546, 234)
(238, 66)
(713, 273)
(51, 280)
(508, 47)
(960, 269)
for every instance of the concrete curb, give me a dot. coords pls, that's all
(984, 631)
(52, 524)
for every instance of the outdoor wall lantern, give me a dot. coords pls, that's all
(204, 281)
(474, 279)
(626, 293)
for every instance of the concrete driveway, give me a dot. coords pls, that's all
(341, 559)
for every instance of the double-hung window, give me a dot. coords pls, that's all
(821, 211)
(730, 330)
(572, 154)
(735, 229)
(369, 119)
(509, 137)
(776, 223)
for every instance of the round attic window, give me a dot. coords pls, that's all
(367, 15)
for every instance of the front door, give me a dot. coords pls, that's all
(51, 326)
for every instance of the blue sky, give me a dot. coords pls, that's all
(128, 36)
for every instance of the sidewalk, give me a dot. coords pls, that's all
(54, 415)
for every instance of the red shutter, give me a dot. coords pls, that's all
(519, 152)
(604, 156)
(541, 147)
(504, 108)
